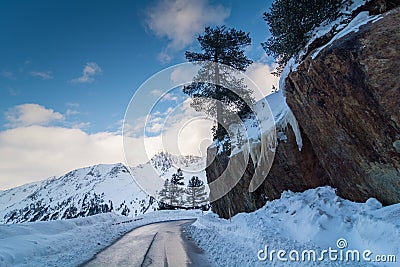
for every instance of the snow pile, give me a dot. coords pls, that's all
(71, 242)
(313, 220)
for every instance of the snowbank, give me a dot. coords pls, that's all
(71, 242)
(313, 220)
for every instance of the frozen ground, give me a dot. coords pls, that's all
(71, 242)
(313, 220)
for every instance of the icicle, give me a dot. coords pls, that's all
(290, 119)
(255, 152)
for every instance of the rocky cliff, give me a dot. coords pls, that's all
(292, 169)
(347, 103)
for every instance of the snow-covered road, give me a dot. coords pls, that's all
(158, 244)
(314, 220)
(72, 242)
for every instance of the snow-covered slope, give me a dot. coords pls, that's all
(164, 165)
(316, 220)
(92, 190)
(79, 193)
(71, 242)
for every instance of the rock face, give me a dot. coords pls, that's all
(347, 101)
(291, 170)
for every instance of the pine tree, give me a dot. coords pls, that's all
(175, 190)
(165, 195)
(224, 46)
(171, 192)
(291, 21)
(177, 177)
(196, 194)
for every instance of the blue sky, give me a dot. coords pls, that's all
(75, 65)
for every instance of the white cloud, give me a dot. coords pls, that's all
(89, 71)
(72, 104)
(180, 21)
(169, 110)
(33, 150)
(80, 125)
(71, 112)
(14, 92)
(165, 56)
(164, 96)
(179, 130)
(170, 97)
(36, 152)
(156, 92)
(45, 75)
(153, 124)
(184, 74)
(260, 73)
(7, 74)
(154, 127)
(185, 131)
(31, 114)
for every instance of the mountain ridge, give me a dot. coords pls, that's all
(85, 191)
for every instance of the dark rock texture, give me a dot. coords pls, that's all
(291, 170)
(347, 101)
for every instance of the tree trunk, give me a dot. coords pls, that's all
(193, 197)
(217, 93)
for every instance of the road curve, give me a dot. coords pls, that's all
(159, 244)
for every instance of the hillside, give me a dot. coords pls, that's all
(79, 193)
(91, 190)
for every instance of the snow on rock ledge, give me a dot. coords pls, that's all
(264, 129)
(347, 101)
(294, 166)
(351, 19)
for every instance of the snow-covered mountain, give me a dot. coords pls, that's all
(167, 164)
(88, 191)
(164, 165)
(79, 193)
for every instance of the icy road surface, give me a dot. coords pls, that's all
(158, 244)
